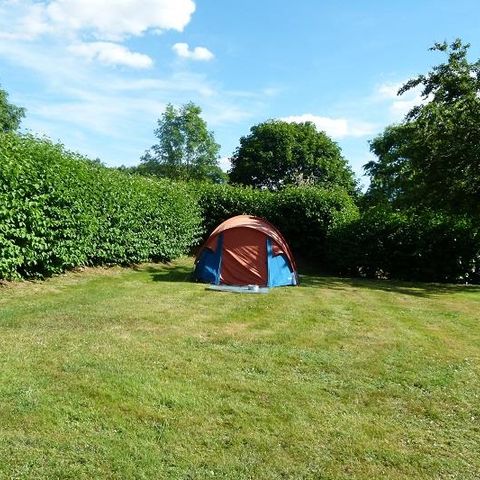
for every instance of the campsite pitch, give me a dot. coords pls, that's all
(139, 373)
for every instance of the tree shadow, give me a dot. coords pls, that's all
(417, 289)
(184, 274)
(170, 273)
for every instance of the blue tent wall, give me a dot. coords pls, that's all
(280, 272)
(209, 264)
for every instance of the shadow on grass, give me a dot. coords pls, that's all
(170, 273)
(184, 273)
(417, 289)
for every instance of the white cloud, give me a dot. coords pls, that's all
(97, 113)
(271, 91)
(387, 91)
(399, 105)
(197, 53)
(105, 20)
(220, 111)
(23, 20)
(335, 127)
(76, 23)
(118, 19)
(110, 53)
(180, 82)
(224, 163)
(399, 108)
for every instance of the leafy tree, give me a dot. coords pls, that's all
(432, 158)
(278, 153)
(186, 149)
(10, 115)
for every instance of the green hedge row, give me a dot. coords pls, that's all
(59, 210)
(304, 215)
(408, 245)
(326, 227)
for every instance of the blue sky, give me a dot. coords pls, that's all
(96, 75)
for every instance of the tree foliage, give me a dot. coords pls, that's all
(432, 158)
(10, 115)
(278, 153)
(186, 149)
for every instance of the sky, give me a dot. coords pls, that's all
(96, 75)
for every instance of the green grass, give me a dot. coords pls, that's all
(138, 373)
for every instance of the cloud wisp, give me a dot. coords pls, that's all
(198, 53)
(109, 53)
(111, 112)
(337, 128)
(398, 105)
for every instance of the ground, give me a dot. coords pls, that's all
(140, 373)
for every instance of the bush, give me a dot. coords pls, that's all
(409, 245)
(304, 215)
(219, 202)
(59, 210)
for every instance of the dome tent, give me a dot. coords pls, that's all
(246, 250)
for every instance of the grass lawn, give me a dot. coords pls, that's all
(138, 373)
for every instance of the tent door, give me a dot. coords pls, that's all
(209, 263)
(279, 269)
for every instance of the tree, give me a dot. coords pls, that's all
(432, 159)
(278, 153)
(10, 115)
(186, 149)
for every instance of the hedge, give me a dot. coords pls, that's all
(59, 210)
(325, 226)
(304, 215)
(426, 246)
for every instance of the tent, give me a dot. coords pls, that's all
(246, 250)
